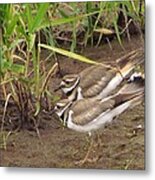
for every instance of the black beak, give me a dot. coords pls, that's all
(58, 88)
(52, 111)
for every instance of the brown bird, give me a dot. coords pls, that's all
(88, 115)
(98, 80)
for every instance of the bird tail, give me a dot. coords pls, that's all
(136, 100)
(132, 91)
(128, 62)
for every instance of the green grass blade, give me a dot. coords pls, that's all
(117, 34)
(28, 16)
(61, 21)
(0, 61)
(74, 40)
(39, 17)
(69, 54)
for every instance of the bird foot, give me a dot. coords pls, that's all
(80, 162)
(85, 160)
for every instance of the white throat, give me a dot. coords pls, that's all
(79, 93)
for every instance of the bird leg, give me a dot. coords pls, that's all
(99, 141)
(85, 159)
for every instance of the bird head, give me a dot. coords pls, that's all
(69, 83)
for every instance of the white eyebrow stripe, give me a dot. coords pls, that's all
(69, 80)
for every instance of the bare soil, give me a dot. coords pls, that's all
(121, 142)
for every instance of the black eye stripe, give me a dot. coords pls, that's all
(67, 82)
(58, 107)
(63, 86)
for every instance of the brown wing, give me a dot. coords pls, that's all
(96, 80)
(88, 109)
(91, 75)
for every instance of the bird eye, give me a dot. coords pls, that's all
(57, 107)
(67, 82)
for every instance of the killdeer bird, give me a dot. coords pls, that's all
(88, 115)
(99, 81)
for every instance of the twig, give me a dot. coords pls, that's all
(4, 112)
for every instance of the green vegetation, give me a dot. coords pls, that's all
(25, 29)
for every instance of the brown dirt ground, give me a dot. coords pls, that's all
(122, 142)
